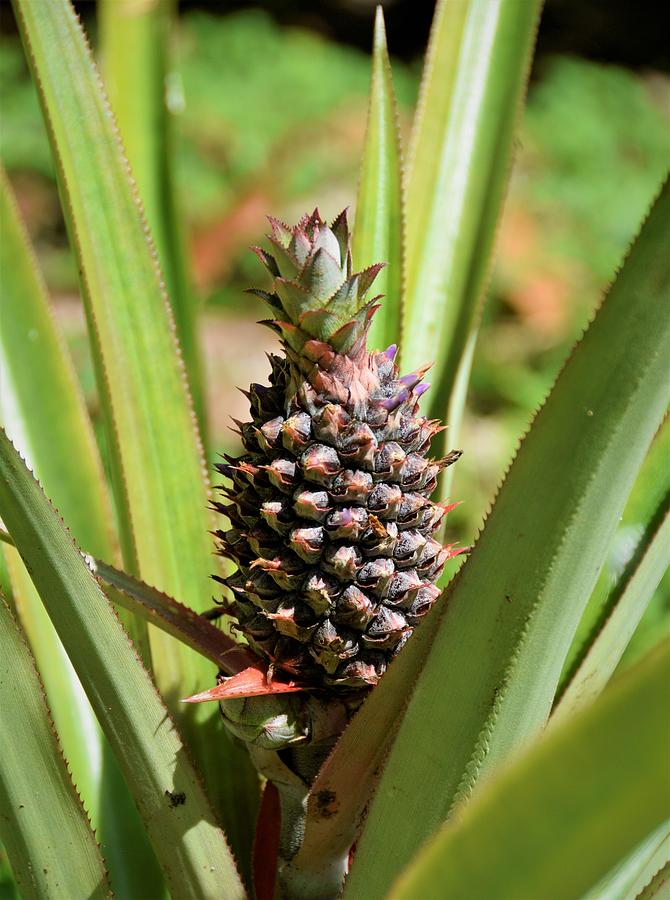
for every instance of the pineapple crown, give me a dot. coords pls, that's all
(315, 292)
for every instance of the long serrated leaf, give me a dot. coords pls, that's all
(156, 459)
(658, 884)
(459, 162)
(638, 524)
(135, 56)
(169, 796)
(626, 880)
(172, 617)
(44, 412)
(43, 825)
(505, 625)
(619, 618)
(378, 233)
(553, 823)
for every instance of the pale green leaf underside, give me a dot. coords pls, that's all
(557, 819)
(378, 233)
(43, 825)
(187, 841)
(502, 634)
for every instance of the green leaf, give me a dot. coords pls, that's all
(150, 605)
(459, 161)
(378, 234)
(8, 889)
(559, 817)
(501, 634)
(639, 523)
(637, 870)
(43, 826)
(156, 459)
(41, 403)
(44, 412)
(136, 65)
(166, 613)
(619, 618)
(653, 888)
(167, 791)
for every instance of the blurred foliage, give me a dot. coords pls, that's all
(260, 102)
(596, 151)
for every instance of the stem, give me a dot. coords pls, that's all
(292, 771)
(292, 883)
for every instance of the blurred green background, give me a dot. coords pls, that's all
(269, 108)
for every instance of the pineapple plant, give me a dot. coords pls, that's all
(332, 522)
(487, 756)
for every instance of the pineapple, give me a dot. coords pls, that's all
(331, 519)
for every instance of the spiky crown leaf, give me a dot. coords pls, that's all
(315, 293)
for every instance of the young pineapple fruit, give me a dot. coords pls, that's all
(330, 510)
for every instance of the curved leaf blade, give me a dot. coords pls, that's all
(189, 845)
(43, 826)
(378, 232)
(459, 161)
(177, 620)
(563, 814)
(503, 631)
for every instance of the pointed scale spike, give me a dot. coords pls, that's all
(340, 229)
(367, 276)
(279, 229)
(268, 261)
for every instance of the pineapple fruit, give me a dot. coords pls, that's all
(331, 522)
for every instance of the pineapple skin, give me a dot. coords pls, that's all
(331, 518)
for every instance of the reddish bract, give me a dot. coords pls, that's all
(250, 682)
